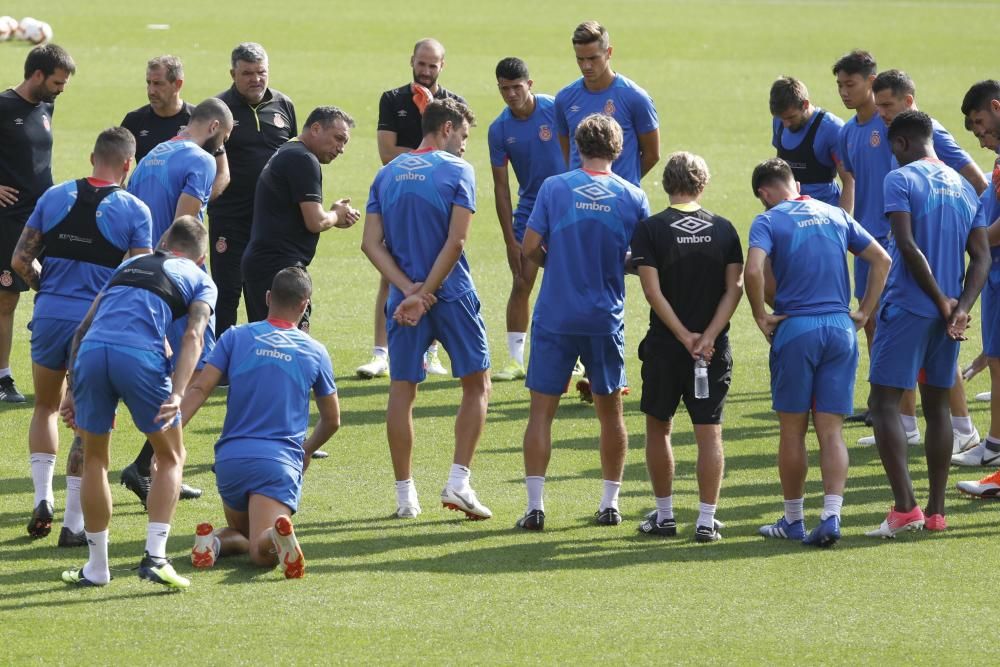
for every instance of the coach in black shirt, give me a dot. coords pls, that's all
(288, 206)
(166, 113)
(263, 120)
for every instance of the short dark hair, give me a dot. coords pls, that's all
(172, 66)
(187, 236)
(440, 112)
(856, 62)
(896, 80)
(599, 136)
(787, 93)
(291, 287)
(327, 115)
(47, 58)
(512, 69)
(212, 109)
(769, 172)
(248, 52)
(114, 145)
(912, 124)
(979, 96)
(589, 32)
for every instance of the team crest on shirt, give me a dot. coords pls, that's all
(544, 132)
(46, 124)
(876, 139)
(6, 279)
(609, 108)
(279, 120)
(221, 246)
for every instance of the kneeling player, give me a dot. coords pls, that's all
(263, 452)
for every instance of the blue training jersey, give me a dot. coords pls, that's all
(586, 221)
(826, 145)
(264, 361)
(807, 242)
(865, 152)
(532, 148)
(69, 286)
(414, 194)
(946, 149)
(624, 101)
(942, 208)
(137, 317)
(173, 168)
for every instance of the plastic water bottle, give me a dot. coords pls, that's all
(700, 378)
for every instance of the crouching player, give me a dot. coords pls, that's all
(263, 452)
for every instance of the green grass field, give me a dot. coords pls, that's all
(440, 589)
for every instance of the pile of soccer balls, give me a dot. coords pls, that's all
(27, 30)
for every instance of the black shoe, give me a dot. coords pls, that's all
(9, 392)
(40, 524)
(859, 417)
(67, 538)
(320, 454)
(533, 520)
(189, 492)
(709, 533)
(608, 516)
(665, 528)
(136, 483)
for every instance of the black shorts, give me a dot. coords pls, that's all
(10, 234)
(668, 377)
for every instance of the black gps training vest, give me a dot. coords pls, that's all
(147, 273)
(78, 237)
(802, 158)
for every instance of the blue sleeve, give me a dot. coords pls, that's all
(373, 204)
(643, 205)
(562, 128)
(142, 226)
(219, 356)
(858, 237)
(845, 157)
(760, 234)
(465, 189)
(896, 193)
(948, 151)
(644, 117)
(204, 289)
(775, 125)
(498, 153)
(539, 218)
(43, 213)
(984, 212)
(198, 180)
(324, 384)
(827, 141)
(974, 199)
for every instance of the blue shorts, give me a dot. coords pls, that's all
(990, 312)
(910, 348)
(457, 324)
(105, 373)
(175, 333)
(520, 224)
(814, 359)
(51, 340)
(553, 356)
(861, 271)
(237, 479)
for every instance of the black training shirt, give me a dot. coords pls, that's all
(257, 133)
(151, 130)
(691, 251)
(25, 152)
(397, 112)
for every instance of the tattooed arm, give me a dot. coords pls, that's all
(25, 260)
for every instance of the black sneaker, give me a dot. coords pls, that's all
(609, 516)
(665, 528)
(9, 392)
(136, 483)
(189, 492)
(40, 524)
(161, 571)
(67, 538)
(709, 533)
(858, 417)
(533, 520)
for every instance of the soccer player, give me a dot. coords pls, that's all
(85, 228)
(263, 451)
(807, 138)
(399, 131)
(264, 120)
(419, 212)
(812, 333)
(523, 135)
(579, 230)
(927, 303)
(25, 173)
(118, 353)
(288, 207)
(690, 264)
(602, 90)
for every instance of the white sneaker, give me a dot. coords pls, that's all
(376, 368)
(964, 441)
(203, 553)
(410, 510)
(432, 364)
(977, 457)
(984, 396)
(465, 501)
(912, 439)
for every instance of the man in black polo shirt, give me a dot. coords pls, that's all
(263, 120)
(691, 267)
(288, 207)
(399, 131)
(25, 173)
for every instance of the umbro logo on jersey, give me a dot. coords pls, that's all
(511, 140)
(236, 122)
(401, 113)
(412, 164)
(143, 133)
(573, 109)
(276, 340)
(595, 192)
(18, 121)
(692, 226)
(799, 208)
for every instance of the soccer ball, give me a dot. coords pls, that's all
(41, 33)
(8, 24)
(25, 27)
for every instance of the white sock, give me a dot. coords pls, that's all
(664, 508)
(610, 497)
(4, 372)
(831, 507)
(73, 516)
(515, 345)
(156, 539)
(379, 351)
(536, 489)
(793, 510)
(96, 569)
(406, 493)
(909, 422)
(706, 515)
(42, 466)
(458, 478)
(962, 424)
